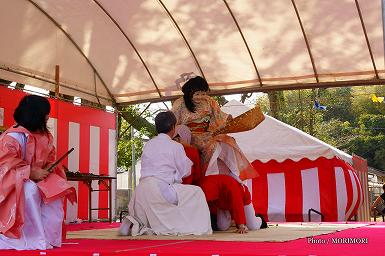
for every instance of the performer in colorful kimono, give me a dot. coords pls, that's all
(220, 154)
(160, 202)
(230, 200)
(31, 196)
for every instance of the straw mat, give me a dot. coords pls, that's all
(275, 233)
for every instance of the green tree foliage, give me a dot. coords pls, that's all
(134, 116)
(276, 99)
(369, 139)
(351, 121)
(220, 99)
(143, 130)
(296, 108)
(338, 102)
(363, 103)
(125, 146)
(334, 132)
(369, 129)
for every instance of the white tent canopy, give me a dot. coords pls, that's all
(275, 140)
(127, 51)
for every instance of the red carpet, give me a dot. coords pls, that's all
(374, 234)
(92, 225)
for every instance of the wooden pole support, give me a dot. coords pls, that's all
(57, 79)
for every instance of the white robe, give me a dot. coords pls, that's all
(42, 227)
(160, 202)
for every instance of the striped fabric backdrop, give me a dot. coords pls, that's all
(286, 191)
(91, 132)
(361, 166)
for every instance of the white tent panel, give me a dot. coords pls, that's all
(47, 47)
(374, 26)
(92, 30)
(279, 51)
(214, 37)
(275, 140)
(148, 27)
(337, 39)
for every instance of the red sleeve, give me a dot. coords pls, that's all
(11, 159)
(196, 169)
(193, 154)
(13, 172)
(188, 180)
(210, 187)
(236, 201)
(246, 195)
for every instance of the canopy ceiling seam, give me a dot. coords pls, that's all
(306, 41)
(280, 87)
(76, 46)
(132, 45)
(244, 41)
(96, 93)
(366, 38)
(183, 36)
(49, 81)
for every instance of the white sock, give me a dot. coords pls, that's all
(125, 227)
(252, 222)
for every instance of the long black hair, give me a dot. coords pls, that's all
(31, 113)
(193, 85)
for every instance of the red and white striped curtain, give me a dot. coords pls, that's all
(286, 191)
(361, 166)
(91, 132)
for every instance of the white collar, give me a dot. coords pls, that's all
(163, 135)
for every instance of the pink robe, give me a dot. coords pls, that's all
(14, 171)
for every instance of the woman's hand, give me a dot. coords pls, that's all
(38, 174)
(242, 229)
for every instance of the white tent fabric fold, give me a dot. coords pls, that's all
(132, 51)
(275, 140)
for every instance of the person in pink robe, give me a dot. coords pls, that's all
(31, 197)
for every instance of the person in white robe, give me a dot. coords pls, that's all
(160, 203)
